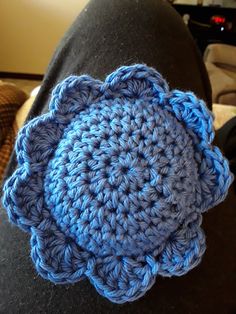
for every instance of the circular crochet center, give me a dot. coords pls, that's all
(122, 178)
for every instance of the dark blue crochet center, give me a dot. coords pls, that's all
(122, 178)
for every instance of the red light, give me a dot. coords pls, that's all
(218, 19)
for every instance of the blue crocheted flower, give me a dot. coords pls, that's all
(113, 180)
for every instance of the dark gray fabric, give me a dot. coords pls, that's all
(110, 33)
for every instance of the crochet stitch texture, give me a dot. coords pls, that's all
(113, 180)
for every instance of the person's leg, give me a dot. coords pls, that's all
(109, 34)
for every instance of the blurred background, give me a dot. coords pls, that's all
(31, 29)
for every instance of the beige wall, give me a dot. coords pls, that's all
(30, 31)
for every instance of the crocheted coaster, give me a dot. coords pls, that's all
(113, 180)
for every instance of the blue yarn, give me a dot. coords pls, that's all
(113, 180)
